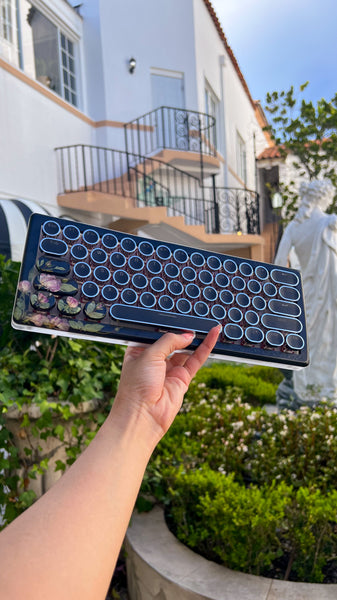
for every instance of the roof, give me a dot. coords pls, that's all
(228, 50)
(14, 217)
(270, 152)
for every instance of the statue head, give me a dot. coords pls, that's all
(318, 193)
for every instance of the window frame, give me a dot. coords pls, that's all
(241, 158)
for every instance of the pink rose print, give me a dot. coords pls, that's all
(50, 282)
(61, 324)
(42, 298)
(38, 319)
(25, 286)
(72, 302)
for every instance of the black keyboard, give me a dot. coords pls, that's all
(85, 281)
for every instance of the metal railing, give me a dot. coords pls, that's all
(171, 128)
(152, 182)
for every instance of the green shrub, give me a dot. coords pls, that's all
(220, 449)
(256, 384)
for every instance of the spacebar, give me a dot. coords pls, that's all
(158, 318)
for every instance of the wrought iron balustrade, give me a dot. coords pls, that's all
(171, 128)
(152, 182)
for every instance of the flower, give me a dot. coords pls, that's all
(72, 302)
(42, 298)
(38, 319)
(61, 324)
(50, 282)
(25, 286)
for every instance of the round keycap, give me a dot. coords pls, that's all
(245, 269)
(128, 245)
(270, 289)
(171, 270)
(51, 228)
(230, 266)
(121, 277)
(163, 252)
(147, 299)
(254, 335)
(197, 259)
(238, 283)
(261, 272)
(201, 309)
(275, 338)
(175, 288)
(189, 274)
(109, 241)
(214, 263)
(259, 303)
(109, 293)
(165, 303)
(102, 274)
(145, 248)
(218, 312)
(192, 291)
(98, 256)
(139, 281)
(221, 280)
(254, 286)
(226, 297)
(233, 332)
(79, 252)
(82, 270)
(42, 301)
(294, 341)
(184, 306)
(210, 294)
(180, 256)
(153, 266)
(235, 315)
(252, 317)
(90, 237)
(90, 289)
(205, 277)
(129, 296)
(157, 284)
(243, 300)
(95, 310)
(136, 263)
(71, 233)
(117, 259)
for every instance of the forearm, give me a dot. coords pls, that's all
(66, 545)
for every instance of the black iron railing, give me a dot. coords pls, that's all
(152, 182)
(171, 128)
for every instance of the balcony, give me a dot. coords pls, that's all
(142, 191)
(183, 138)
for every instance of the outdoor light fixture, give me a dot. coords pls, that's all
(276, 200)
(132, 65)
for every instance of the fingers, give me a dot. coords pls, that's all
(168, 343)
(201, 354)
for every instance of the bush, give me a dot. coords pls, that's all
(234, 477)
(256, 384)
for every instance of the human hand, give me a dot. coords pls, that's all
(153, 380)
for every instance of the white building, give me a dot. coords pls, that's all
(71, 78)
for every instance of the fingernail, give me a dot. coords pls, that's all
(190, 335)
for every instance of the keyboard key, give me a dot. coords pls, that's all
(163, 252)
(214, 263)
(189, 274)
(254, 286)
(252, 317)
(82, 270)
(218, 312)
(98, 256)
(79, 252)
(192, 291)
(136, 263)
(221, 280)
(153, 266)
(90, 237)
(117, 259)
(205, 277)
(261, 272)
(90, 289)
(243, 300)
(270, 289)
(53, 266)
(230, 266)
(294, 341)
(42, 301)
(284, 277)
(184, 306)
(284, 308)
(71, 233)
(233, 332)
(210, 294)
(288, 293)
(53, 246)
(139, 281)
(121, 277)
(129, 296)
(109, 241)
(110, 293)
(102, 274)
(175, 287)
(69, 306)
(180, 256)
(226, 297)
(254, 335)
(157, 318)
(157, 284)
(146, 249)
(275, 338)
(95, 310)
(259, 303)
(201, 309)
(235, 315)
(238, 283)
(51, 228)
(128, 245)
(246, 269)
(165, 303)
(197, 259)
(171, 270)
(281, 323)
(147, 299)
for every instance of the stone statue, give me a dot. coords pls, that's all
(310, 243)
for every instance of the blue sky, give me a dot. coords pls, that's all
(282, 43)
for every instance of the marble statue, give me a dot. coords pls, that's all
(309, 243)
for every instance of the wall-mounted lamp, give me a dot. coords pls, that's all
(277, 200)
(132, 65)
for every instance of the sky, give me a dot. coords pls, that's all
(280, 43)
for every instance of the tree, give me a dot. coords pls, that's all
(309, 133)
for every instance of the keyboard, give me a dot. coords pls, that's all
(85, 281)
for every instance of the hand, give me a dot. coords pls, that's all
(154, 381)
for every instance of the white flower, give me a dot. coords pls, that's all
(187, 433)
(237, 425)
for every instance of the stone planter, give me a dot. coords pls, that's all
(51, 448)
(159, 567)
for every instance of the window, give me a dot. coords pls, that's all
(54, 56)
(241, 159)
(7, 20)
(211, 108)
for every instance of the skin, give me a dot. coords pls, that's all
(67, 544)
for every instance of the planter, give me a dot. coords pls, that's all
(159, 567)
(51, 448)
